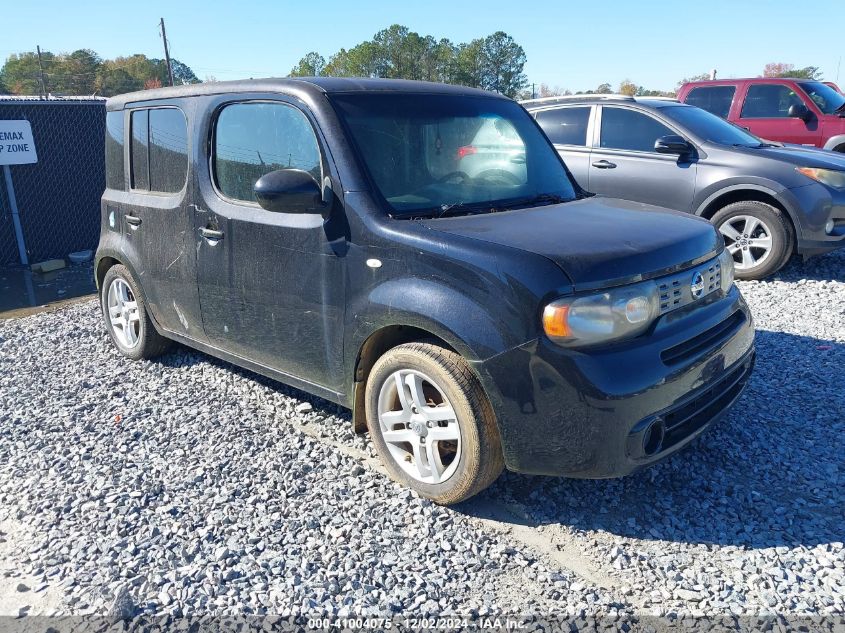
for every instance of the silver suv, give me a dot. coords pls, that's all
(768, 200)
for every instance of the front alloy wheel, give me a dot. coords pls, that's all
(748, 240)
(431, 422)
(419, 426)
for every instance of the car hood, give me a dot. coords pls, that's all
(597, 241)
(800, 156)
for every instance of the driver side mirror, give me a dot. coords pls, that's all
(289, 191)
(672, 144)
(799, 111)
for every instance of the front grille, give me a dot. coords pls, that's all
(676, 290)
(693, 414)
(704, 341)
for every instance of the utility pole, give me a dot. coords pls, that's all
(166, 52)
(41, 72)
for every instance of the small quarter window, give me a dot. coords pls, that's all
(253, 139)
(115, 178)
(565, 126)
(140, 126)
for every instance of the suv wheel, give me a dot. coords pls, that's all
(757, 236)
(432, 424)
(126, 316)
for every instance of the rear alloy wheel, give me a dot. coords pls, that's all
(757, 236)
(126, 317)
(432, 424)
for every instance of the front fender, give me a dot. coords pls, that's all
(465, 325)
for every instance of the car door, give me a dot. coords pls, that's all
(156, 220)
(271, 284)
(623, 163)
(765, 112)
(568, 128)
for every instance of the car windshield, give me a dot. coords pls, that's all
(444, 154)
(826, 98)
(711, 127)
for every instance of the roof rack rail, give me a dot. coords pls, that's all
(582, 97)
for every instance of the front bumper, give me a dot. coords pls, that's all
(816, 205)
(593, 414)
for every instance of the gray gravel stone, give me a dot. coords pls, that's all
(186, 485)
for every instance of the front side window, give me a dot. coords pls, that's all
(826, 98)
(159, 150)
(630, 130)
(710, 127)
(565, 126)
(115, 178)
(769, 101)
(435, 154)
(714, 99)
(252, 139)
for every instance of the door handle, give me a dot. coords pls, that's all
(134, 220)
(604, 164)
(211, 234)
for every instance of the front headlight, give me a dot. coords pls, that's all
(615, 314)
(726, 266)
(830, 177)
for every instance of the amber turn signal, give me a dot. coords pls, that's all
(554, 320)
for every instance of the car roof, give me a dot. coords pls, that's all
(753, 80)
(312, 85)
(551, 103)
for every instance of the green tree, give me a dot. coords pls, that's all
(312, 65)
(504, 61)
(78, 72)
(470, 64)
(182, 73)
(20, 73)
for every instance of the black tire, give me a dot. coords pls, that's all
(773, 223)
(480, 459)
(149, 342)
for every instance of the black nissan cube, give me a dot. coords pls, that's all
(420, 254)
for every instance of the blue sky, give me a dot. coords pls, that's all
(575, 45)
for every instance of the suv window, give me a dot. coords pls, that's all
(714, 99)
(139, 123)
(159, 150)
(565, 126)
(115, 178)
(630, 130)
(769, 101)
(168, 150)
(253, 139)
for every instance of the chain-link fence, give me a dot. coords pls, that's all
(59, 196)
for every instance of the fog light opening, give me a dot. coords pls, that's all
(829, 226)
(653, 438)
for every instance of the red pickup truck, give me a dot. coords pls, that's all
(800, 111)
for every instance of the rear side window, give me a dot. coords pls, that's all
(159, 150)
(715, 99)
(168, 150)
(140, 126)
(565, 126)
(115, 178)
(769, 101)
(253, 139)
(630, 130)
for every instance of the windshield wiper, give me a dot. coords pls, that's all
(468, 207)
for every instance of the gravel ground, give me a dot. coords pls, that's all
(188, 486)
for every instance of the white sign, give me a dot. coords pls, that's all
(17, 146)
